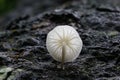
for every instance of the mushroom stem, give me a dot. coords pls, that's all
(63, 57)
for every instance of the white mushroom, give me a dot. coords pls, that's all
(64, 43)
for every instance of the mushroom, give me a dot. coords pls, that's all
(64, 44)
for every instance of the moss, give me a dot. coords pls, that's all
(4, 71)
(6, 6)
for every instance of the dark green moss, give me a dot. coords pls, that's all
(6, 6)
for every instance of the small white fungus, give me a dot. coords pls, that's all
(64, 43)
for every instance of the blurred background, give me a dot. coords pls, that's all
(10, 9)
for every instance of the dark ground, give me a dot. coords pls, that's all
(24, 30)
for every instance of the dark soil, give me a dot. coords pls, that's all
(22, 41)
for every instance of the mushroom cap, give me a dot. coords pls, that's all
(66, 36)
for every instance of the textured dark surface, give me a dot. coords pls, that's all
(22, 42)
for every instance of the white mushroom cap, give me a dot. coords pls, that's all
(66, 36)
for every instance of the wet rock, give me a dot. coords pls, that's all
(2, 48)
(117, 28)
(23, 42)
(27, 42)
(18, 23)
(14, 74)
(106, 8)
